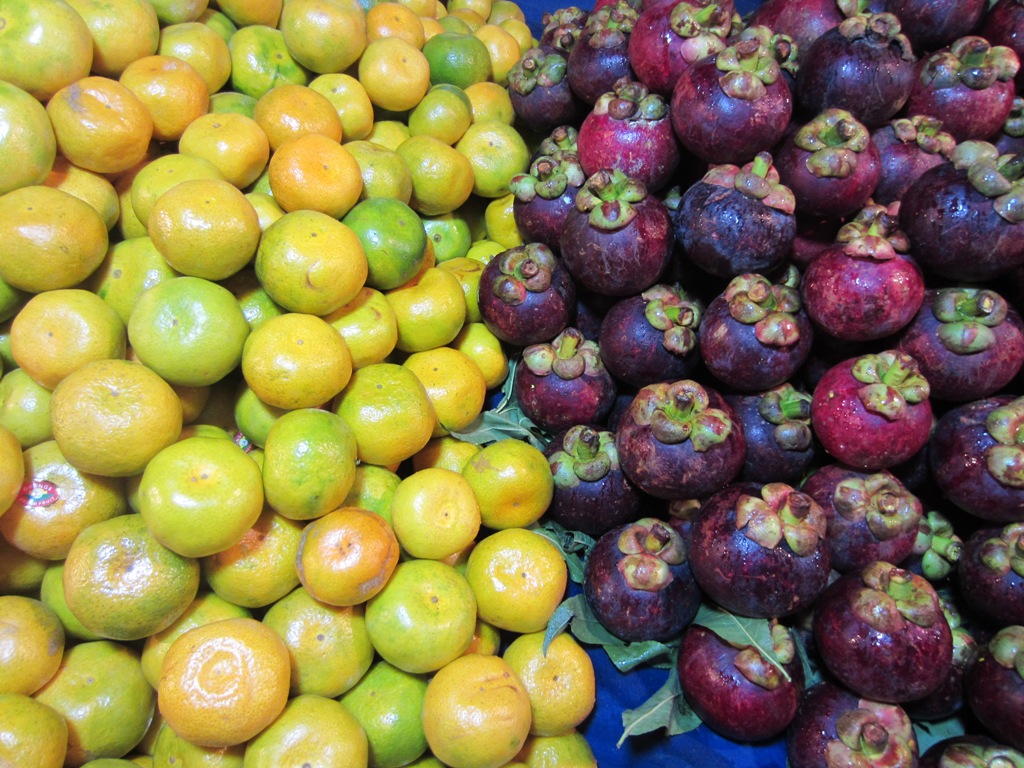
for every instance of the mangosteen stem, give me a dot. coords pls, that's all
(761, 165)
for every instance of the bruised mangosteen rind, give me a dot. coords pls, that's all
(526, 296)
(871, 516)
(545, 195)
(679, 440)
(968, 341)
(637, 582)
(735, 690)
(872, 411)
(760, 550)
(651, 336)
(755, 334)
(540, 93)
(968, 86)
(601, 55)
(908, 146)
(994, 686)
(591, 492)
(830, 164)
(991, 573)
(834, 727)
(564, 382)
(881, 631)
(737, 220)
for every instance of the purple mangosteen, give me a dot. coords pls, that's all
(651, 336)
(994, 686)
(804, 21)
(737, 220)
(908, 147)
(731, 105)
(871, 516)
(965, 218)
(830, 164)
(679, 440)
(592, 494)
(755, 334)
(835, 727)
(637, 582)
(977, 460)
(872, 411)
(564, 382)
(561, 28)
(931, 24)
(968, 342)
(601, 55)
(1010, 140)
(971, 751)
(991, 573)
(629, 129)
(760, 550)
(668, 37)
(777, 426)
(544, 196)
(735, 689)
(881, 632)
(864, 65)
(947, 699)
(937, 548)
(781, 47)
(864, 286)
(540, 92)
(968, 86)
(1004, 25)
(526, 295)
(618, 239)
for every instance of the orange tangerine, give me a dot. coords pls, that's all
(388, 133)
(314, 172)
(354, 108)
(224, 682)
(512, 481)
(467, 271)
(322, 35)
(394, 73)
(177, 11)
(392, 19)
(442, 177)
(444, 452)
(44, 47)
(454, 384)
(266, 208)
(122, 31)
(94, 188)
(31, 646)
(490, 101)
(503, 49)
(170, 749)
(430, 310)
(311, 728)
(477, 342)
(161, 174)
(12, 467)
(48, 239)
(31, 733)
(346, 556)
(121, 583)
(497, 153)
(291, 110)
(233, 142)
(246, 12)
(28, 146)
(171, 89)
(328, 644)
(59, 331)
(201, 46)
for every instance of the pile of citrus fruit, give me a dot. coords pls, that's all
(240, 243)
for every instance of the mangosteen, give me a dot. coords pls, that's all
(803, 20)
(835, 727)
(977, 460)
(864, 65)
(871, 516)
(865, 286)
(737, 220)
(652, 336)
(947, 699)
(526, 295)
(1004, 25)
(777, 426)
(755, 334)
(679, 440)
(668, 37)
(965, 218)
(937, 548)
(540, 92)
(544, 195)
(1010, 140)
(561, 139)
(931, 24)
(564, 382)
(813, 235)
(781, 46)
(601, 55)
(629, 129)
(908, 147)
(735, 689)
(562, 28)
(830, 164)
(968, 342)
(971, 751)
(872, 411)
(618, 239)
(991, 573)
(881, 631)
(968, 86)
(760, 550)
(637, 582)
(994, 686)
(731, 105)
(592, 494)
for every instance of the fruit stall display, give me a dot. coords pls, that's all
(486, 383)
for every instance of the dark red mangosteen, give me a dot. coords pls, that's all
(908, 147)
(540, 92)
(991, 573)
(970, 751)
(545, 195)
(777, 426)
(760, 550)
(1004, 25)
(931, 24)
(804, 20)
(601, 55)
(994, 686)
(948, 699)
(881, 631)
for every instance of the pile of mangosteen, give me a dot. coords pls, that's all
(766, 313)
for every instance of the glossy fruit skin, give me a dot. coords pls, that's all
(1004, 25)
(643, 149)
(994, 591)
(936, 755)
(995, 694)
(896, 665)
(769, 459)
(902, 162)
(593, 67)
(956, 456)
(554, 403)
(803, 21)
(547, 104)
(931, 25)
(724, 699)
(743, 576)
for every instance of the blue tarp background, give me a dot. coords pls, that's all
(617, 691)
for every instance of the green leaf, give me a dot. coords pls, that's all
(928, 733)
(812, 671)
(574, 546)
(740, 631)
(560, 619)
(632, 655)
(665, 709)
(586, 628)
